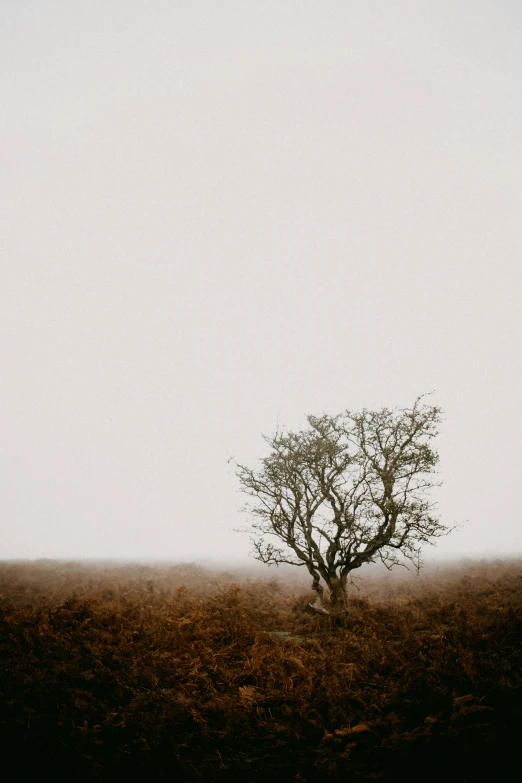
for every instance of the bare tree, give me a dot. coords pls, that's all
(348, 490)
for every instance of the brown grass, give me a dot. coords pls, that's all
(140, 673)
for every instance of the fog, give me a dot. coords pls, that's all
(220, 216)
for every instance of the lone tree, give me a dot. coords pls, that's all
(348, 490)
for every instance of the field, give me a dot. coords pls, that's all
(141, 673)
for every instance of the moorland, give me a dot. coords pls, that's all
(134, 672)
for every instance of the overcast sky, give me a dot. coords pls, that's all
(220, 215)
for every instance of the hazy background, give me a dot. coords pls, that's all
(215, 215)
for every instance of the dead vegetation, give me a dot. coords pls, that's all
(141, 673)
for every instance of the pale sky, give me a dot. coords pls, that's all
(220, 215)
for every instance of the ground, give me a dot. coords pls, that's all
(176, 672)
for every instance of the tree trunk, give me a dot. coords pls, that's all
(338, 596)
(318, 604)
(338, 603)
